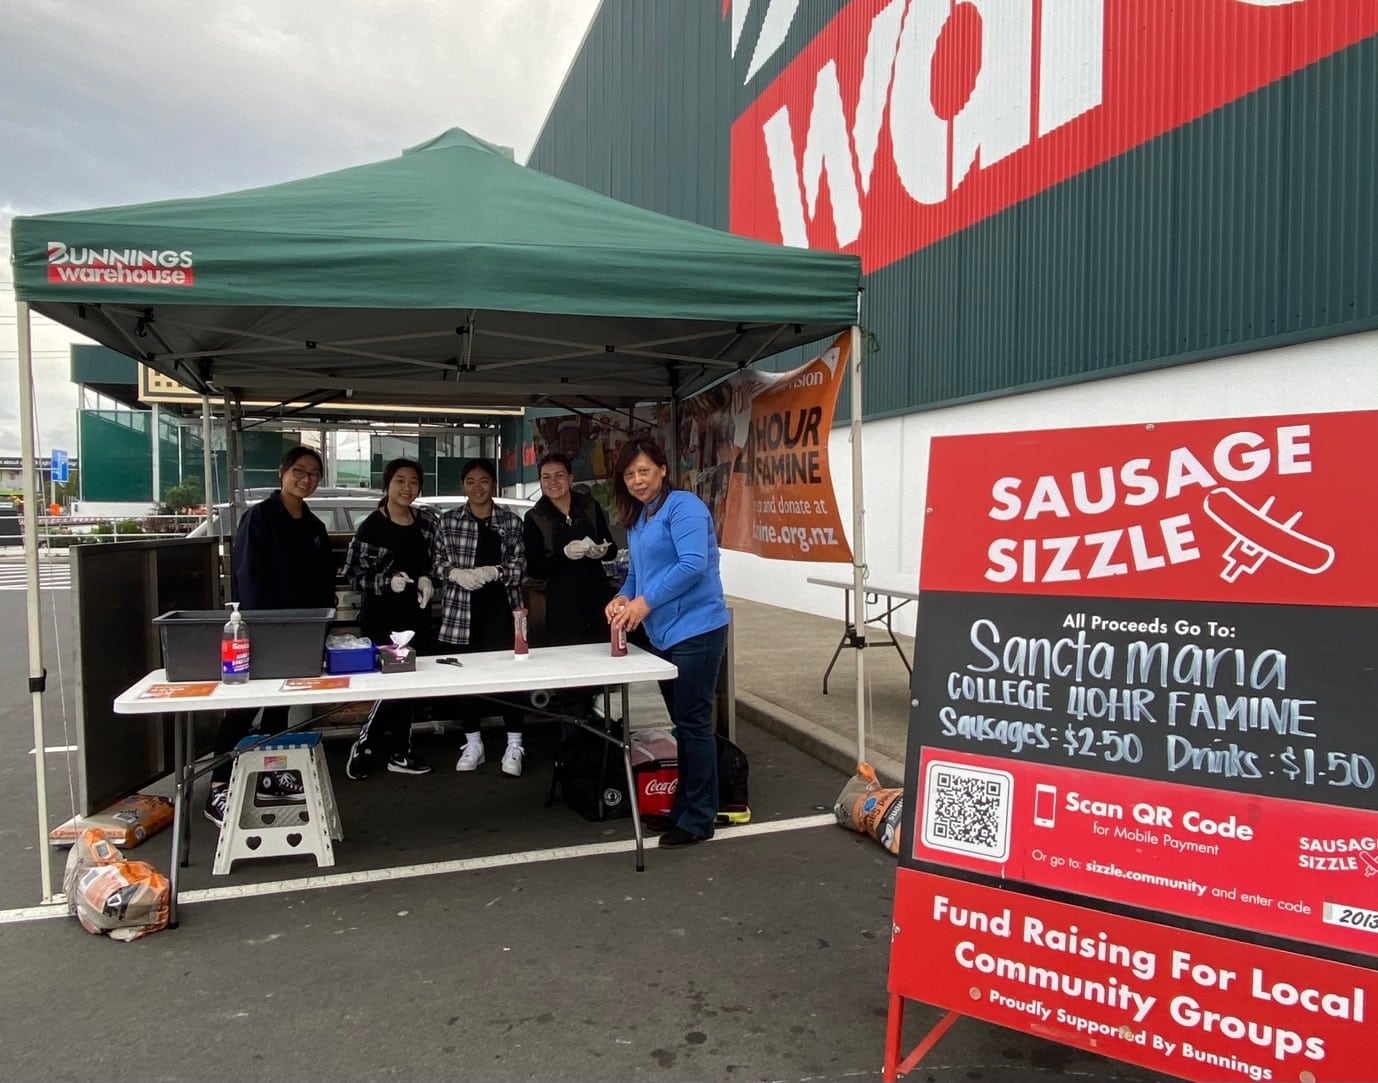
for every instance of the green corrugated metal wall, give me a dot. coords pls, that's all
(1253, 226)
(115, 464)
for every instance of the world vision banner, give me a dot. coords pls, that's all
(753, 447)
(778, 498)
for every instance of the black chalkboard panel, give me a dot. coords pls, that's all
(1266, 699)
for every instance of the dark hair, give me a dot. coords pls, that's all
(295, 455)
(555, 457)
(485, 465)
(629, 507)
(391, 469)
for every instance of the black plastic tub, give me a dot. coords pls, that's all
(282, 642)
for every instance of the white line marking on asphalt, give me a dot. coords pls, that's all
(430, 868)
(57, 748)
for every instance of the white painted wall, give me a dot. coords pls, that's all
(1318, 377)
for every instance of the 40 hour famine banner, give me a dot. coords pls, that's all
(754, 448)
(779, 499)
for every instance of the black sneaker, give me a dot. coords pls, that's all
(360, 763)
(677, 836)
(279, 788)
(407, 764)
(216, 801)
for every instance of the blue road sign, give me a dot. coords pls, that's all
(59, 466)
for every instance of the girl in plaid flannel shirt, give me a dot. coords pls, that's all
(480, 561)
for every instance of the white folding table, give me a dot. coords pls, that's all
(896, 598)
(489, 673)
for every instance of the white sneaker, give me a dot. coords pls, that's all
(512, 761)
(471, 758)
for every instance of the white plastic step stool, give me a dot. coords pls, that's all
(255, 827)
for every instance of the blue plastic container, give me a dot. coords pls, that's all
(349, 659)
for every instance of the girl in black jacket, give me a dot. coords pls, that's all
(567, 539)
(281, 559)
(389, 562)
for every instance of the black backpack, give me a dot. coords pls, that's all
(733, 770)
(590, 778)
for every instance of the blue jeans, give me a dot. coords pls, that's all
(689, 699)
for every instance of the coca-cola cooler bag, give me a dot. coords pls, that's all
(655, 766)
(589, 776)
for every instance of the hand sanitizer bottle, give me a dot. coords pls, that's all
(234, 649)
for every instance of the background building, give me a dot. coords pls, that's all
(140, 434)
(1132, 211)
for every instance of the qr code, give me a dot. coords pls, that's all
(966, 810)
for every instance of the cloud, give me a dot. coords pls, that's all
(130, 101)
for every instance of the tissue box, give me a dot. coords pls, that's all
(396, 659)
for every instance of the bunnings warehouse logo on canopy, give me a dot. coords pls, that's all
(905, 121)
(68, 264)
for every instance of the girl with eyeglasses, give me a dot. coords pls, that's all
(281, 559)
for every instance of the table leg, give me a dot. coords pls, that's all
(848, 636)
(889, 609)
(631, 780)
(189, 773)
(179, 816)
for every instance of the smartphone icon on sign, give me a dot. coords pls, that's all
(1045, 805)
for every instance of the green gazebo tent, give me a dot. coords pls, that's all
(448, 276)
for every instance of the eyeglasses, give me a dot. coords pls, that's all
(304, 475)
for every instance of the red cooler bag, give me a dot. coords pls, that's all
(655, 765)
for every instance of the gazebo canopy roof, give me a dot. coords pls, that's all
(448, 276)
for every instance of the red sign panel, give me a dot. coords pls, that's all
(1173, 1001)
(1147, 676)
(1290, 868)
(904, 122)
(1263, 509)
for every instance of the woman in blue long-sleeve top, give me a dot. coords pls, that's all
(674, 591)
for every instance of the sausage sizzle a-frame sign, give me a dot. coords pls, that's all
(1144, 741)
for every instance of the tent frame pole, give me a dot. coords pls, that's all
(859, 569)
(38, 677)
(207, 463)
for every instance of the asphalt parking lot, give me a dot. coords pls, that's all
(468, 931)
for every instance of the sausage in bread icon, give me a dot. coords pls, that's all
(1259, 537)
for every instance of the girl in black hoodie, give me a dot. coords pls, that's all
(389, 562)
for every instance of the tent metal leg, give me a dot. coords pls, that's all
(858, 540)
(37, 675)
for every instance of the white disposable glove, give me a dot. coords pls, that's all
(473, 578)
(597, 550)
(425, 590)
(467, 578)
(578, 548)
(399, 582)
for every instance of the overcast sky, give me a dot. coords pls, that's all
(105, 102)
